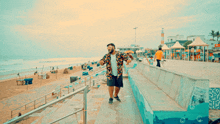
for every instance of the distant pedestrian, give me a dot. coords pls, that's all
(213, 58)
(158, 55)
(150, 61)
(114, 64)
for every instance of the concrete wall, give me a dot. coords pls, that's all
(214, 98)
(191, 93)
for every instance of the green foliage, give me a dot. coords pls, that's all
(217, 35)
(160, 46)
(186, 44)
(212, 33)
(152, 52)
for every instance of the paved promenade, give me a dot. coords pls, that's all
(207, 70)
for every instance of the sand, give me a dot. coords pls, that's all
(13, 95)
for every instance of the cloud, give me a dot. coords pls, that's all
(92, 24)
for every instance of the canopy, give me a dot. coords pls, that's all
(176, 45)
(165, 47)
(198, 42)
(129, 51)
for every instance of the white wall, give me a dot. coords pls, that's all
(174, 38)
(211, 43)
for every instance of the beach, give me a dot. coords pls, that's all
(13, 95)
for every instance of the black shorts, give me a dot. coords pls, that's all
(115, 82)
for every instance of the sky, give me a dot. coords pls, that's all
(73, 28)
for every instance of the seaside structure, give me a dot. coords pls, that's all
(210, 42)
(171, 40)
(132, 47)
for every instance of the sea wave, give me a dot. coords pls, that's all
(11, 62)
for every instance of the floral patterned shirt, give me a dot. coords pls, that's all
(119, 60)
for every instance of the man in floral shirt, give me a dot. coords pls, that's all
(114, 64)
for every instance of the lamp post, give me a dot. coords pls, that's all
(135, 33)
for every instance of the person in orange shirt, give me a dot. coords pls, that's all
(158, 55)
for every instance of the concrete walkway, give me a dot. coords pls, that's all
(124, 112)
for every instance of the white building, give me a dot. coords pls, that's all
(211, 43)
(193, 37)
(175, 38)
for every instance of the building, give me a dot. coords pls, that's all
(193, 37)
(210, 42)
(175, 38)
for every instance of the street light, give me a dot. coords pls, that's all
(135, 33)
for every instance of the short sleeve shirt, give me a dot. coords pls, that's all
(159, 54)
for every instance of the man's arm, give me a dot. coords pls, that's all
(147, 60)
(103, 60)
(125, 58)
(131, 57)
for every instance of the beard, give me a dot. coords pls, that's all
(111, 51)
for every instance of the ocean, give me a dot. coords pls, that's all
(10, 66)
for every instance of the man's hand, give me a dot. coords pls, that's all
(101, 62)
(128, 61)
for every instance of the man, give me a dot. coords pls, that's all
(158, 55)
(114, 64)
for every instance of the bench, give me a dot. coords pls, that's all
(169, 97)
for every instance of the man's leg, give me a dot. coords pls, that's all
(117, 89)
(111, 90)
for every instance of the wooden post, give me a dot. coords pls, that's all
(25, 107)
(56, 74)
(11, 114)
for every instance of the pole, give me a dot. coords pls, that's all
(203, 54)
(188, 53)
(85, 105)
(135, 33)
(207, 54)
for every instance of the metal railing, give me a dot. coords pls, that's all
(85, 89)
(78, 86)
(45, 98)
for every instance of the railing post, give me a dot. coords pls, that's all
(90, 81)
(25, 107)
(60, 91)
(85, 81)
(85, 105)
(34, 104)
(11, 114)
(45, 99)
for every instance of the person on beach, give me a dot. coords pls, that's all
(150, 61)
(158, 55)
(114, 64)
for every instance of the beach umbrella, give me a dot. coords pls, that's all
(129, 51)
